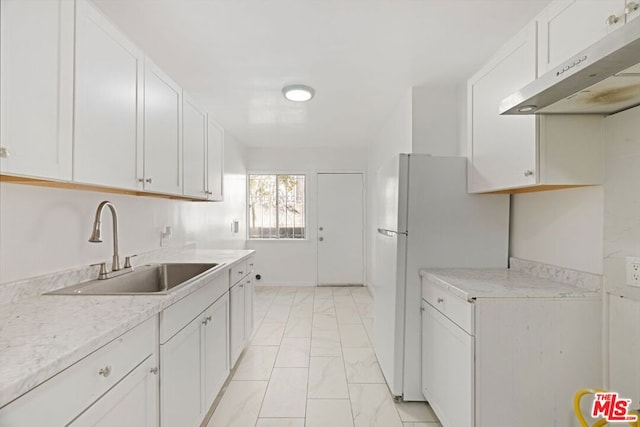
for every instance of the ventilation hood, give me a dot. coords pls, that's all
(602, 79)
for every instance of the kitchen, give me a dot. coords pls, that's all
(585, 232)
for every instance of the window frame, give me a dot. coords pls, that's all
(306, 206)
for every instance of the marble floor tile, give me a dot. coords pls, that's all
(286, 299)
(294, 353)
(329, 413)
(278, 313)
(324, 322)
(341, 291)
(344, 301)
(257, 363)
(303, 298)
(372, 406)
(361, 366)
(348, 315)
(286, 394)
(327, 378)
(325, 343)
(269, 334)
(416, 412)
(303, 310)
(323, 306)
(365, 309)
(353, 335)
(323, 292)
(431, 424)
(239, 405)
(368, 326)
(280, 422)
(298, 327)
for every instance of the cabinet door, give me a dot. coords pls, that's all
(502, 149)
(162, 132)
(133, 402)
(108, 75)
(248, 307)
(180, 369)
(216, 350)
(569, 26)
(194, 137)
(36, 87)
(237, 322)
(624, 347)
(215, 161)
(447, 369)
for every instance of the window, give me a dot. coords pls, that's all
(276, 206)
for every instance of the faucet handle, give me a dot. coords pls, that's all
(103, 269)
(127, 261)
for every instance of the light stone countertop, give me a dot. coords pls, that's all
(470, 284)
(42, 335)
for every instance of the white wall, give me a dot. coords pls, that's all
(435, 119)
(560, 227)
(288, 262)
(43, 230)
(393, 137)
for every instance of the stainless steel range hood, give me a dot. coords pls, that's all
(603, 79)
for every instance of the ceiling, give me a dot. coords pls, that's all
(361, 56)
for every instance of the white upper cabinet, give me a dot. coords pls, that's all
(569, 26)
(194, 139)
(215, 161)
(517, 153)
(502, 147)
(36, 87)
(107, 105)
(162, 132)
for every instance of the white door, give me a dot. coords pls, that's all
(340, 229)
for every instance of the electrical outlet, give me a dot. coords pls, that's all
(633, 271)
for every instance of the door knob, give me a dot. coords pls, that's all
(321, 228)
(321, 239)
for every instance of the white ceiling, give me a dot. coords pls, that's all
(361, 56)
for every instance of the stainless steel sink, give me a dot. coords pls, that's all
(153, 279)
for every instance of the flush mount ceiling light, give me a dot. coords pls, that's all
(298, 93)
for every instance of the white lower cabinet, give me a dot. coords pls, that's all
(237, 295)
(194, 362)
(508, 361)
(248, 307)
(448, 371)
(133, 402)
(115, 385)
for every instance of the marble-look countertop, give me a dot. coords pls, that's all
(473, 283)
(42, 335)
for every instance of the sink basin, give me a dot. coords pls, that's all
(152, 279)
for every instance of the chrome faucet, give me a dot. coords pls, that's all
(96, 237)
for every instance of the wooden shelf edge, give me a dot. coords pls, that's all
(537, 188)
(42, 182)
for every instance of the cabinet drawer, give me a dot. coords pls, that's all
(176, 316)
(60, 399)
(238, 271)
(456, 309)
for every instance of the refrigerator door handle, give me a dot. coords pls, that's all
(390, 233)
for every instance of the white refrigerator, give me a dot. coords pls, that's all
(425, 219)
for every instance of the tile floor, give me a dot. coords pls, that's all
(311, 363)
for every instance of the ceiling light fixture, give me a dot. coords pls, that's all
(298, 93)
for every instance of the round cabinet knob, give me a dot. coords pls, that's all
(528, 172)
(321, 239)
(321, 228)
(631, 7)
(105, 372)
(149, 180)
(4, 153)
(612, 20)
(154, 370)
(440, 300)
